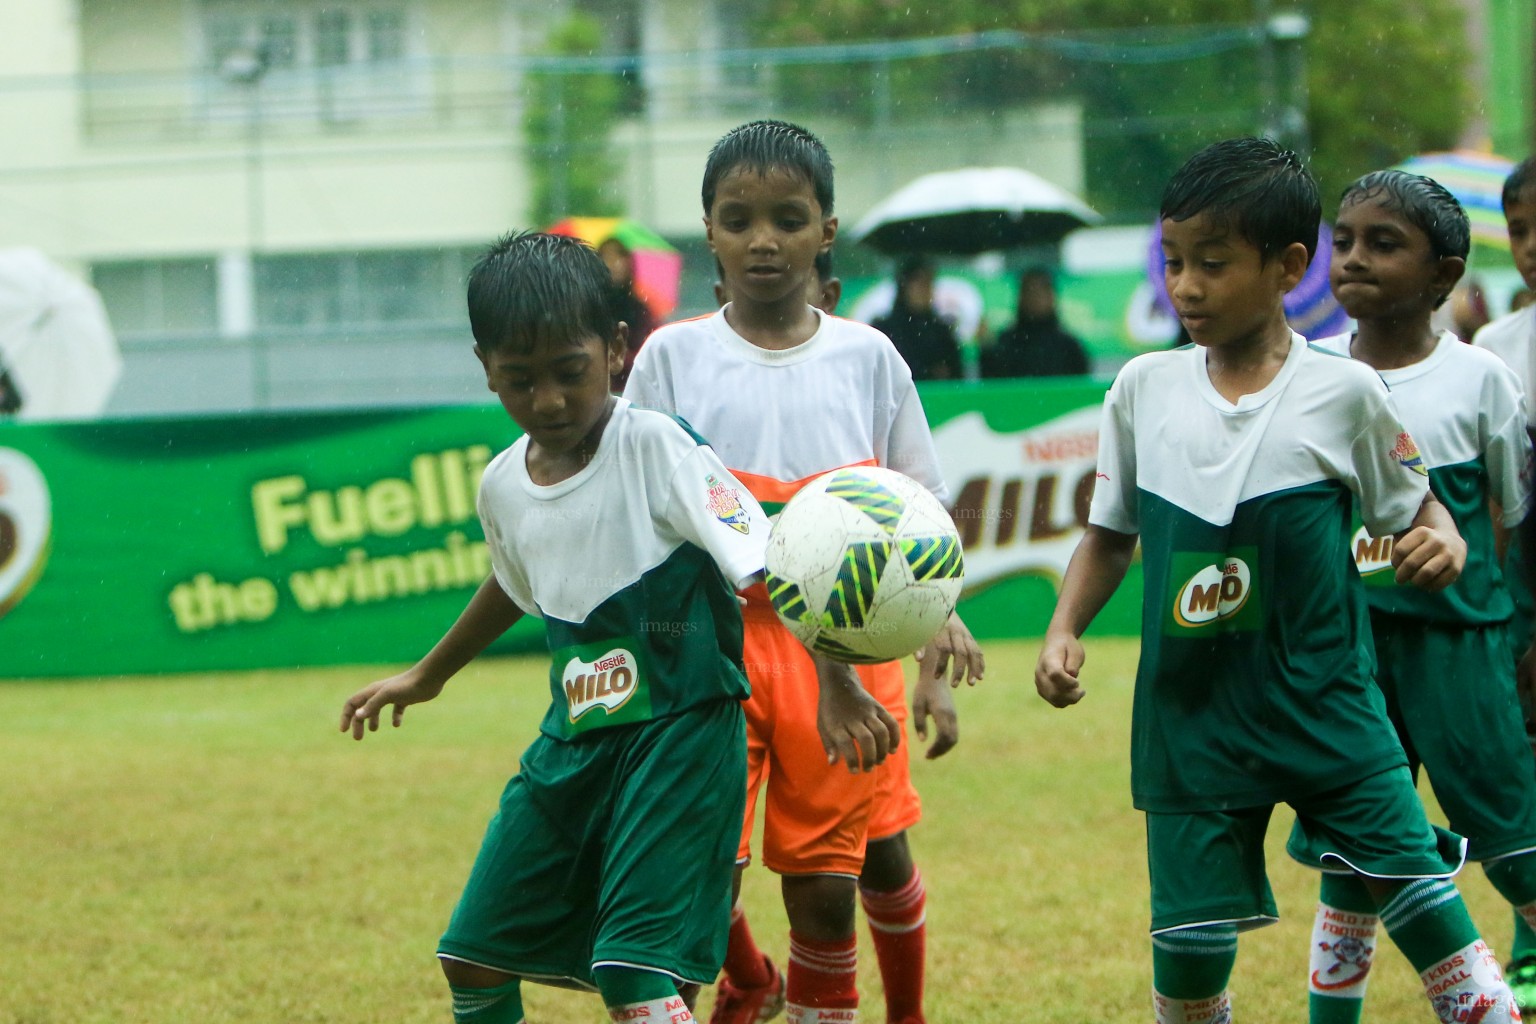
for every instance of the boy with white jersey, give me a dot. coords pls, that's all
(609, 863)
(1235, 461)
(787, 393)
(1512, 338)
(891, 889)
(1400, 243)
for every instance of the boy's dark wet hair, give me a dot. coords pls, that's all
(1520, 179)
(1258, 188)
(534, 287)
(1424, 202)
(764, 146)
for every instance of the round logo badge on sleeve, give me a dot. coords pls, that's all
(26, 526)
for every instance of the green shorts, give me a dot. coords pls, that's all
(1480, 766)
(614, 849)
(1208, 867)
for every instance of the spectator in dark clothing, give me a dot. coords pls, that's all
(1036, 345)
(10, 395)
(926, 341)
(625, 304)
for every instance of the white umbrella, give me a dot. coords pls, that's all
(56, 345)
(971, 210)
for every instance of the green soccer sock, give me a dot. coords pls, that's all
(1190, 969)
(1515, 879)
(1429, 923)
(1343, 947)
(500, 1005)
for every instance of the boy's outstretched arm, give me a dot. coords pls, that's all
(931, 698)
(1095, 571)
(854, 727)
(1430, 553)
(489, 614)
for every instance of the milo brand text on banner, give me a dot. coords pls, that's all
(1019, 459)
(230, 543)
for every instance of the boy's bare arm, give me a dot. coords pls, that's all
(854, 727)
(1430, 553)
(1095, 571)
(489, 614)
(931, 699)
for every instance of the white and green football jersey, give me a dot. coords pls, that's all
(1255, 681)
(1512, 337)
(633, 563)
(1465, 409)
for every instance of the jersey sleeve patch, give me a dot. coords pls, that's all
(724, 503)
(1407, 454)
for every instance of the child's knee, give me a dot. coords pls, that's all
(887, 863)
(467, 975)
(820, 906)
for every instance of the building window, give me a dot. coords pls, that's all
(386, 35)
(151, 297)
(398, 288)
(333, 38)
(316, 60)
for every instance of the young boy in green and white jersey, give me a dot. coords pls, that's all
(1512, 338)
(610, 861)
(1236, 460)
(1400, 243)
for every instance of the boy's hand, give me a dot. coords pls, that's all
(1428, 559)
(400, 690)
(854, 727)
(1061, 658)
(954, 644)
(931, 697)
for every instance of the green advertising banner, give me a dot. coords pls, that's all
(284, 540)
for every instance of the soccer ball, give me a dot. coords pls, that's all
(864, 565)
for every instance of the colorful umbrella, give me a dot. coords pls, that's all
(1477, 182)
(658, 266)
(1310, 307)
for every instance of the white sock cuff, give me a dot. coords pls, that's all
(1343, 948)
(672, 1010)
(1215, 1009)
(1468, 985)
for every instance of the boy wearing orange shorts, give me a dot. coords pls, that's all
(787, 393)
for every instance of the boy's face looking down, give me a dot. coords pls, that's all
(1520, 217)
(766, 229)
(557, 392)
(1223, 292)
(1383, 265)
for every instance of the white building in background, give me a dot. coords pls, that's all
(257, 187)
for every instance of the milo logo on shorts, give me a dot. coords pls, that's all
(26, 526)
(1373, 558)
(603, 683)
(1211, 590)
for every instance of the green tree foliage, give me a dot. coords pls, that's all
(1385, 78)
(568, 118)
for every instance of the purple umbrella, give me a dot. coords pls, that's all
(1310, 307)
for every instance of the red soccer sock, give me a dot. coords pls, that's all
(897, 926)
(823, 980)
(745, 964)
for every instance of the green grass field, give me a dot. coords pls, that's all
(210, 849)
